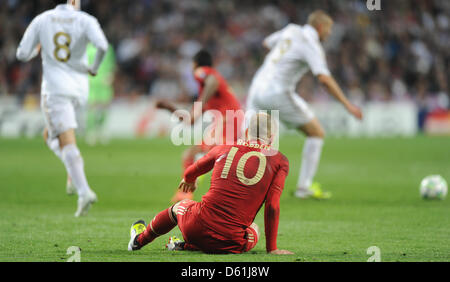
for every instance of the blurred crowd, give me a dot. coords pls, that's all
(400, 53)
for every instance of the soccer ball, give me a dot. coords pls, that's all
(433, 187)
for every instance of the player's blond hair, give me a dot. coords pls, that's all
(262, 127)
(319, 17)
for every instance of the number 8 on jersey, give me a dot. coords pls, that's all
(62, 43)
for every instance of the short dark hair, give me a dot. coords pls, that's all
(203, 58)
(57, 2)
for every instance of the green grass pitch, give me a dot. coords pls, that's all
(375, 202)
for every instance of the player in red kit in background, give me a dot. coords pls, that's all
(214, 94)
(245, 176)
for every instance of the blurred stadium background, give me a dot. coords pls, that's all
(394, 62)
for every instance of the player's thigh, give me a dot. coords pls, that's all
(294, 112)
(186, 212)
(254, 106)
(80, 106)
(59, 115)
(67, 137)
(283, 104)
(258, 100)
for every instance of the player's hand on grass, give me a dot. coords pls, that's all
(355, 111)
(187, 187)
(281, 252)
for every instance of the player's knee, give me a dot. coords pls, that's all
(67, 138)
(256, 228)
(313, 129)
(175, 208)
(45, 134)
(321, 133)
(71, 153)
(316, 132)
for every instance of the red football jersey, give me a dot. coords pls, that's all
(244, 177)
(224, 98)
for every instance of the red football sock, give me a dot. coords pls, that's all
(162, 223)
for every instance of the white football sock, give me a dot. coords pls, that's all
(53, 144)
(310, 161)
(75, 166)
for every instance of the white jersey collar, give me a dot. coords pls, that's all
(65, 7)
(311, 31)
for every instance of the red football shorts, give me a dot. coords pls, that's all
(198, 236)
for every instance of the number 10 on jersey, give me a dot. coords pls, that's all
(241, 165)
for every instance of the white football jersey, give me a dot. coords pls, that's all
(294, 50)
(63, 33)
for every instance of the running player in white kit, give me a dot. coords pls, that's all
(61, 35)
(295, 50)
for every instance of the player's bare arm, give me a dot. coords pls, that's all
(266, 46)
(335, 90)
(93, 69)
(270, 41)
(211, 86)
(166, 105)
(96, 36)
(171, 107)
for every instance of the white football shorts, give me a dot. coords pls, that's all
(293, 110)
(61, 113)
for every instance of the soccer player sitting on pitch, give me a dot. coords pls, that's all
(245, 176)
